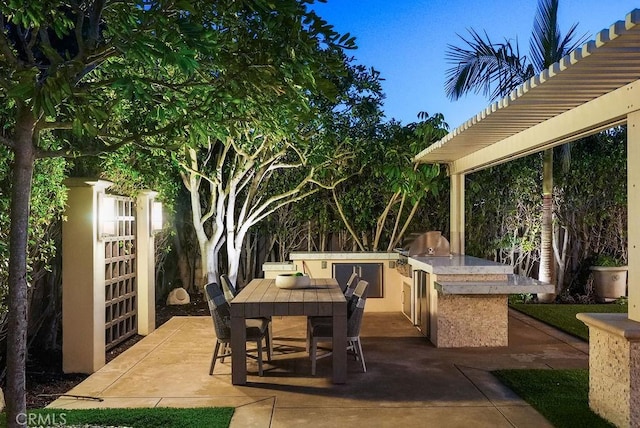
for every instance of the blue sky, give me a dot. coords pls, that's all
(406, 41)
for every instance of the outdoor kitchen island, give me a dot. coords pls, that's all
(461, 301)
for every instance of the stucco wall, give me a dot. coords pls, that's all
(320, 265)
(391, 279)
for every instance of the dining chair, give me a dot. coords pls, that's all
(320, 329)
(350, 284)
(231, 291)
(351, 291)
(221, 315)
(361, 288)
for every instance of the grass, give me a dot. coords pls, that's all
(561, 396)
(563, 316)
(137, 418)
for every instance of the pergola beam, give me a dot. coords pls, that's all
(601, 113)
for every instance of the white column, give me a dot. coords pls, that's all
(456, 213)
(145, 263)
(83, 271)
(633, 213)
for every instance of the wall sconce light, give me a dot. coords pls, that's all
(155, 208)
(106, 216)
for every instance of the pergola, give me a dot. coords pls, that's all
(594, 88)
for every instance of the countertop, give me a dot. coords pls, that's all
(514, 284)
(344, 255)
(458, 264)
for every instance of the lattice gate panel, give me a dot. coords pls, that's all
(120, 276)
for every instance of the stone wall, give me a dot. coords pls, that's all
(459, 323)
(611, 369)
(614, 367)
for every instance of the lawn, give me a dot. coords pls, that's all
(563, 316)
(137, 418)
(561, 396)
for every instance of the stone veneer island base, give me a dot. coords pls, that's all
(614, 367)
(467, 299)
(468, 320)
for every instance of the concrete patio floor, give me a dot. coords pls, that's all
(408, 382)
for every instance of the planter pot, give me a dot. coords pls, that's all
(609, 283)
(291, 280)
(546, 297)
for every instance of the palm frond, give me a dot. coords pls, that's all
(494, 69)
(547, 46)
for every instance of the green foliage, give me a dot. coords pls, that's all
(346, 122)
(520, 298)
(381, 197)
(606, 260)
(561, 396)
(622, 301)
(132, 169)
(590, 201)
(503, 213)
(503, 208)
(47, 204)
(496, 69)
(259, 130)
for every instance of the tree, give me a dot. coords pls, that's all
(591, 207)
(229, 191)
(498, 68)
(269, 152)
(47, 206)
(387, 193)
(503, 222)
(86, 77)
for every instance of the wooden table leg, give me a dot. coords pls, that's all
(339, 355)
(238, 351)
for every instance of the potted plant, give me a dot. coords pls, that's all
(293, 280)
(609, 278)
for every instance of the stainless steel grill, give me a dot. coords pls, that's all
(429, 244)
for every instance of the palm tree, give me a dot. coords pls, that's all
(495, 69)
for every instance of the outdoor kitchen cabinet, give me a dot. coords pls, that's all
(462, 301)
(407, 297)
(370, 272)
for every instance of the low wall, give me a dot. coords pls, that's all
(614, 367)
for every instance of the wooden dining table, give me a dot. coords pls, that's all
(262, 298)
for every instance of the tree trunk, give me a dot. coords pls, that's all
(546, 255)
(233, 262)
(209, 259)
(23, 164)
(183, 263)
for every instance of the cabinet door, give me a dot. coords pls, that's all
(370, 272)
(406, 299)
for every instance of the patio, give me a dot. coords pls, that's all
(408, 382)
